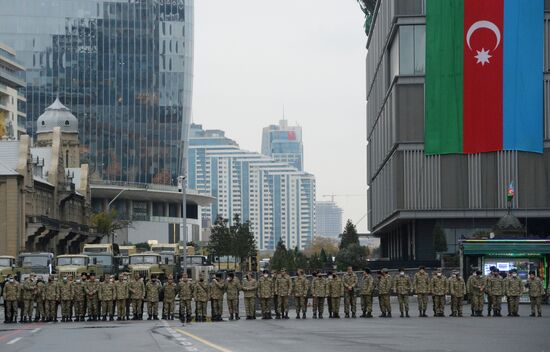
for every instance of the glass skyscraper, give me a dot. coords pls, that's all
(124, 68)
(284, 143)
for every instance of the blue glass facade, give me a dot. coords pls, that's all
(123, 67)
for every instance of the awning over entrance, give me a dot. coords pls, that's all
(506, 248)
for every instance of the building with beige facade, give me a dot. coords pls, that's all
(12, 102)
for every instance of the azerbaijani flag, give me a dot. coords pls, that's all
(484, 76)
(510, 193)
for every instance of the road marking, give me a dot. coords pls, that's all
(35, 330)
(10, 334)
(14, 341)
(201, 340)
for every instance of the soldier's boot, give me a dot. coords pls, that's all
(488, 312)
(237, 317)
(540, 315)
(314, 316)
(37, 318)
(383, 315)
(389, 315)
(369, 315)
(188, 318)
(297, 315)
(77, 319)
(104, 318)
(231, 316)
(155, 317)
(402, 315)
(277, 316)
(364, 315)
(407, 314)
(111, 318)
(163, 316)
(353, 315)
(303, 315)
(473, 313)
(118, 318)
(347, 315)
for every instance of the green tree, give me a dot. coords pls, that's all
(280, 257)
(323, 258)
(353, 255)
(142, 247)
(243, 241)
(220, 239)
(314, 262)
(108, 223)
(349, 236)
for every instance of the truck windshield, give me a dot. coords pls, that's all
(71, 261)
(5, 262)
(195, 260)
(144, 259)
(34, 261)
(103, 259)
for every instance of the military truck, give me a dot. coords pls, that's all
(75, 265)
(196, 265)
(124, 257)
(39, 263)
(170, 254)
(146, 264)
(7, 267)
(104, 256)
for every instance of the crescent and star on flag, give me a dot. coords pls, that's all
(483, 55)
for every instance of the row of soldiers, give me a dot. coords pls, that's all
(100, 297)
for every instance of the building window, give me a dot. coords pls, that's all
(408, 50)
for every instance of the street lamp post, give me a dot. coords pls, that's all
(183, 181)
(109, 209)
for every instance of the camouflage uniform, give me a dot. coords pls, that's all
(301, 287)
(152, 296)
(402, 286)
(489, 297)
(52, 297)
(335, 292)
(476, 286)
(79, 298)
(136, 289)
(249, 288)
(233, 288)
(421, 286)
(107, 295)
(27, 294)
(438, 287)
(469, 293)
(536, 291)
(495, 287)
(384, 290)
(217, 290)
(514, 289)
(457, 290)
(40, 299)
(367, 290)
(319, 292)
(283, 290)
(170, 291)
(66, 295)
(349, 280)
(122, 295)
(202, 295)
(91, 288)
(265, 292)
(10, 294)
(276, 275)
(185, 292)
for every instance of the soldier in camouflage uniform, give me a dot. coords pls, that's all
(265, 293)
(233, 288)
(469, 292)
(367, 290)
(457, 290)
(402, 286)
(122, 294)
(283, 290)
(514, 289)
(349, 280)
(170, 291)
(319, 292)
(79, 298)
(27, 294)
(152, 296)
(40, 298)
(66, 295)
(249, 287)
(495, 287)
(185, 292)
(107, 295)
(438, 288)
(486, 291)
(536, 291)
(421, 286)
(384, 290)
(335, 292)
(91, 288)
(301, 287)
(476, 284)
(136, 290)
(217, 290)
(10, 294)
(202, 295)
(52, 297)
(329, 300)
(275, 276)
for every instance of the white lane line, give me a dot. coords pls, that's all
(35, 330)
(14, 341)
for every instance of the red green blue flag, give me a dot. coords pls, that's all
(484, 76)
(510, 192)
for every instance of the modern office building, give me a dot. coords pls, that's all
(124, 68)
(284, 143)
(328, 219)
(277, 198)
(411, 191)
(12, 100)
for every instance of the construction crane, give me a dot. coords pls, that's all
(342, 195)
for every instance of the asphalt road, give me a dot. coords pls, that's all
(395, 334)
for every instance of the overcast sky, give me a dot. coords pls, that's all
(254, 56)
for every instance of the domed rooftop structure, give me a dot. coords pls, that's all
(509, 226)
(57, 115)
